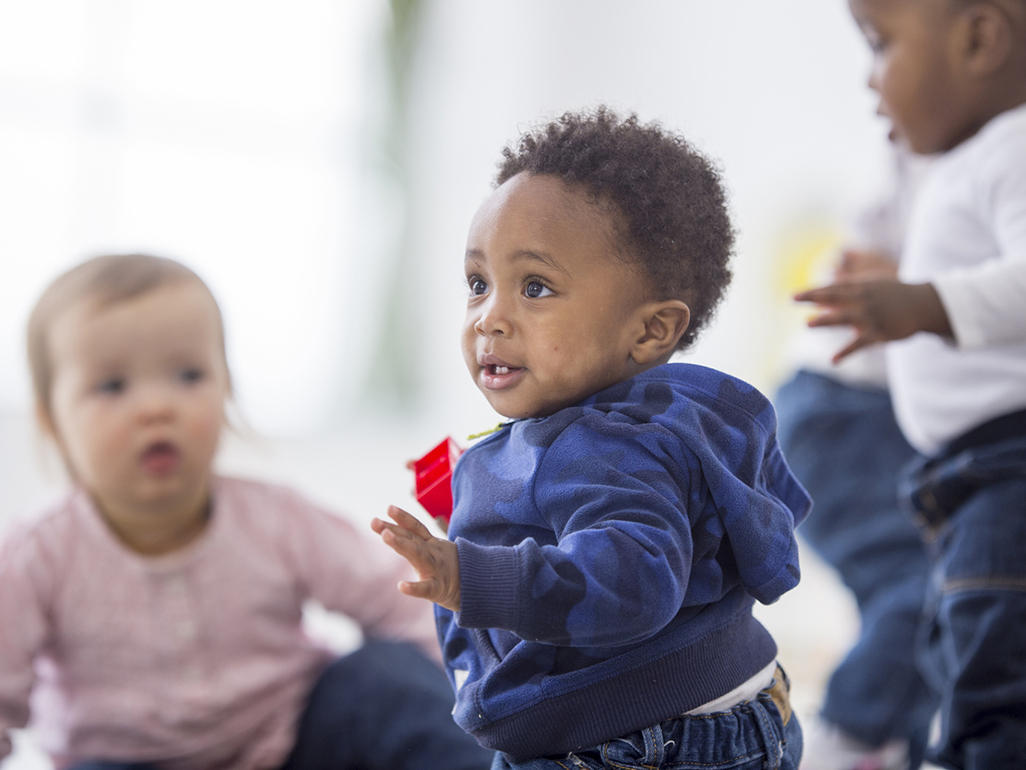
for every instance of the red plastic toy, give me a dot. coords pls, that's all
(433, 473)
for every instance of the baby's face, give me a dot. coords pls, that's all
(137, 404)
(552, 312)
(919, 71)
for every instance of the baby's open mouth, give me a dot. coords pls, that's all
(160, 457)
(500, 376)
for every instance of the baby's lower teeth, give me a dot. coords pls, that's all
(502, 370)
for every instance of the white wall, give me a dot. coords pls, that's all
(240, 137)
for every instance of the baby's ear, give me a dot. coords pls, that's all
(665, 322)
(988, 37)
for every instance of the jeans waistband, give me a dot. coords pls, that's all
(999, 428)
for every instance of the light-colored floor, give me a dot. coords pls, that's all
(361, 473)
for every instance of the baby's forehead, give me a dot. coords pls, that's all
(553, 192)
(546, 209)
(174, 315)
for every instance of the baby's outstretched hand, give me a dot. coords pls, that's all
(434, 558)
(878, 310)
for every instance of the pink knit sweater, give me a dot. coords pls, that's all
(197, 656)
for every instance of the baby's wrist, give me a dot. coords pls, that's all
(931, 314)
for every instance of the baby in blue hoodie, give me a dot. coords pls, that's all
(608, 543)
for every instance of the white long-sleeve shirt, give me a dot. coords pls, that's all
(198, 656)
(967, 235)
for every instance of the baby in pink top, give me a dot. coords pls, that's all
(153, 618)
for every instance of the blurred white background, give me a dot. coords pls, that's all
(318, 162)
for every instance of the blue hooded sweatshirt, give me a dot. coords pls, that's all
(610, 555)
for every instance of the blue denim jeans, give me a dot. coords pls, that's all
(845, 446)
(972, 498)
(760, 734)
(383, 707)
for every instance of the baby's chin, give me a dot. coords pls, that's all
(516, 404)
(515, 414)
(529, 413)
(517, 411)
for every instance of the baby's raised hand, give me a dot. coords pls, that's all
(434, 558)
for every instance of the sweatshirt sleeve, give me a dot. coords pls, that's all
(355, 575)
(23, 629)
(621, 528)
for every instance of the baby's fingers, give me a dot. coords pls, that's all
(429, 589)
(409, 522)
(855, 344)
(833, 294)
(831, 318)
(408, 545)
(399, 540)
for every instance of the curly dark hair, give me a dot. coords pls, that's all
(674, 223)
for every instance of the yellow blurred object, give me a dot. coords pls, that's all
(803, 254)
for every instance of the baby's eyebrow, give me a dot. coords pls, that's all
(539, 256)
(103, 367)
(476, 255)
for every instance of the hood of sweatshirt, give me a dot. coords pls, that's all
(729, 428)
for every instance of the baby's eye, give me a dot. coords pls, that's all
(876, 41)
(192, 374)
(477, 285)
(536, 289)
(112, 386)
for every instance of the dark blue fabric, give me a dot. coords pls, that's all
(844, 445)
(973, 644)
(382, 707)
(610, 555)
